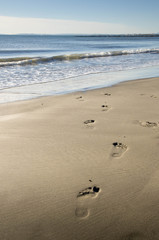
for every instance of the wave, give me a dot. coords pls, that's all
(36, 60)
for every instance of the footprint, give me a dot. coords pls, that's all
(89, 123)
(89, 191)
(80, 98)
(105, 107)
(107, 94)
(83, 197)
(153, 96)
(118, 149)
(81, 212)
(149, 124)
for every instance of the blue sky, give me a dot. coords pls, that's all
(113, 16)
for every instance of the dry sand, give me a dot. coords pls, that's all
(82, 166)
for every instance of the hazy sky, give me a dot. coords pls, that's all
(79, 16)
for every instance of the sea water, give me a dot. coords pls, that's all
(39, 65)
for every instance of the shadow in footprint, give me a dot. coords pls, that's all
(105, 107)
(89, 191)
(152, 96)
(80, 98)
(148, 124)
(118, 149)
(89, 123)
(82, 210)
(107, 94)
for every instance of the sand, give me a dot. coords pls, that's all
(81, 166)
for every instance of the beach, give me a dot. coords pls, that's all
(82, 165)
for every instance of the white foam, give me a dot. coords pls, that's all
(80, 83)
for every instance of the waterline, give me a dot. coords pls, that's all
(74, 84)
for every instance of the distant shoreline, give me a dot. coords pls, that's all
(87, 35)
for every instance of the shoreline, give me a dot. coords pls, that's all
(80, 83)
(82, 165)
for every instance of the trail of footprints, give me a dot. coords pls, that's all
(118, 149)
(105, 107)
(84, 196)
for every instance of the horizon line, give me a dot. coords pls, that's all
(81, 34)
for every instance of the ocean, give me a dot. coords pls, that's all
(38, 65)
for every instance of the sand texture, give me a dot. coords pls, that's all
(82, 166)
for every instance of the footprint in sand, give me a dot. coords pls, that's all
(153, 96)
(83, 197)
(89, 123)
(105, 107)
(80, 98)
(89, 191)
(118, 149)
(149, 124)
(81, 212)
(107, 94)
(134, 236)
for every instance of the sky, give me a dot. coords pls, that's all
(79, 16)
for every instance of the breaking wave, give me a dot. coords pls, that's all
(37, 60)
